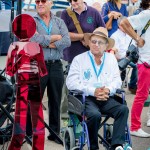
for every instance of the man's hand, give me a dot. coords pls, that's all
(140, 42)
(84, 43)
(76, 36)
(52, 45)
(102, 94)
(55, 38)
(115, 14)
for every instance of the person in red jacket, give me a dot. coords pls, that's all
(25, 59)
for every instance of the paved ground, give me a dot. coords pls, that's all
(138, 143)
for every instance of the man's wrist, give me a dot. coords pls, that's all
(138, 38)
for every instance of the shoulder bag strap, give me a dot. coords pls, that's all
(75, 20)
(146, 27)
(143, 31)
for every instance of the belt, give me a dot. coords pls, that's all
(52, 61)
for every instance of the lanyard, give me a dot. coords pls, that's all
(93, 64)
(47, 29)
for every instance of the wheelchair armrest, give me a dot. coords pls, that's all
(76, 92)
(119, 91)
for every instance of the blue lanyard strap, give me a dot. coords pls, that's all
(93, 64)
(47, 29)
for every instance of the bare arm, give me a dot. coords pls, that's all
(125, 24)
(76, 36)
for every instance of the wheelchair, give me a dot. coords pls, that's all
(6, 104)
(76, 136)
(7, 100)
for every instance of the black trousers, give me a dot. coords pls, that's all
(95, 108)
(54, 83)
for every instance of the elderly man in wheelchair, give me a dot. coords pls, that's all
(96, 74)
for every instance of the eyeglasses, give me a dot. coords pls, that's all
(42, 1)
(99, 42)
(72, 0)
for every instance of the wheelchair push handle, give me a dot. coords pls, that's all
(120, 91)
(76, 92)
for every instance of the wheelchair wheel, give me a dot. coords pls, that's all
(69, 139)
(75, 148)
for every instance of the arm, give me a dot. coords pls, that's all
(65, 40)
(105, 11)
(41, 62)
(14, 60)
(12, 53)
(73, 80)
(76, 36)
(116, 80)
(73, 36)
(45, 40)
(130, 31)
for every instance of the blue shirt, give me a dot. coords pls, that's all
(109, 6)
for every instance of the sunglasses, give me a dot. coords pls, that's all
(97, 42)
(72, 0)
(42, 1)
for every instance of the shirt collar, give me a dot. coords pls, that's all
(93, 56)
(83, 10)
(38, 16)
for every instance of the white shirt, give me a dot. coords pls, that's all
(82, 75)
(138, 22)
(137, 4)
(122, 41)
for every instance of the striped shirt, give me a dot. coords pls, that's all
(42, 37)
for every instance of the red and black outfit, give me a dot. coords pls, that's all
(25, 59)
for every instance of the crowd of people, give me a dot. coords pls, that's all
(92, 40)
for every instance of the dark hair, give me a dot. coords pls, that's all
(145, 4)
(112, 1)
